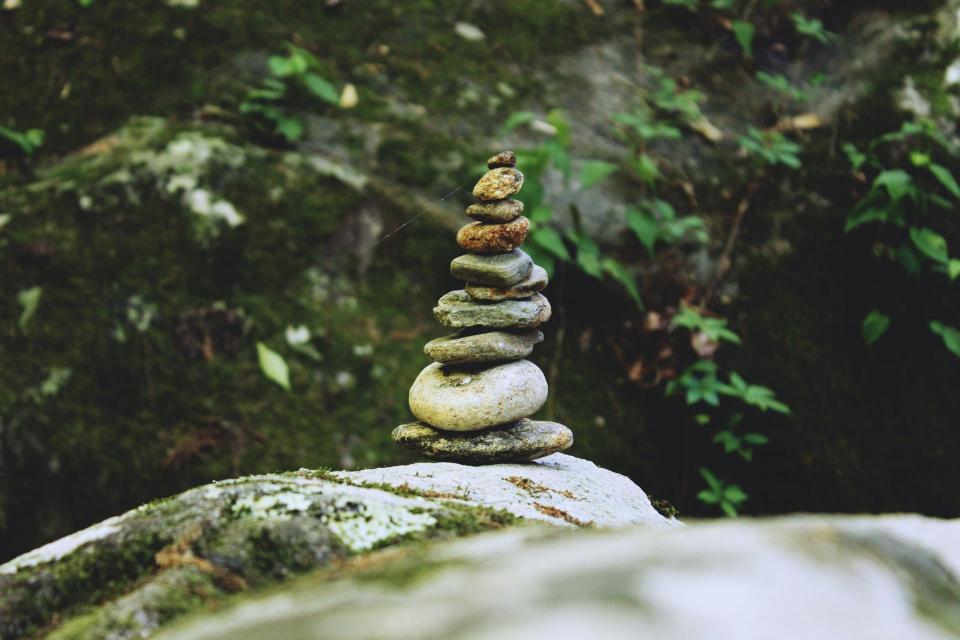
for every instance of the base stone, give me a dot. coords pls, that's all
(515, 442)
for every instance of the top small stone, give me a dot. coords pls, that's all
(498, 184)
(502, 159)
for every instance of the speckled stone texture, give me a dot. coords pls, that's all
(497, 270)
(468, 398)
(458, 310)
(499, 211)
(498, 184)
(516, 442)
(533, 283)
(491, 346)
(482, 237)
(502, 159)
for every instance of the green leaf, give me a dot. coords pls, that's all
(590, 263)
(593, 171)
(558, 119)
(551, 240)
(624, 277)
(321, 88)
(756, 439)
(646, 168)
(273, 365)
(953, 269)
(950, 336)
(518, 118)
(744, 31)
(930, 243)
(290, 128)
(854, 155)
(874, 326)
(897, 182)
(866, 216)
(712, 481)
(645, 227)
(946, 179)
(279, 66)
(29, 300)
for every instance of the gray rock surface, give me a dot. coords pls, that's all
(459, 310)
(467, 398)
(533, 283)
(491, 346)
(561, 484)
(498, 211)
(515, 442)
(796, 578)
(499, 270)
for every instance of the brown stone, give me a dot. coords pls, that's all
(498, 184)
(480, 237)
(502, 159)
(498, 211)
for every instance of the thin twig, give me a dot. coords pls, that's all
(723, 261)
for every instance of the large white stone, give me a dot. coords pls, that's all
(797, 578)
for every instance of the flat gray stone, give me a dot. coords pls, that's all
(458, 310)
(533, 283)
(492, 346)
(498, 270)
(498, 211)
(467, 397)
(518, 442)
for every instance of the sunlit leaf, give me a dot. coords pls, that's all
(897, 182)
(930, 243)
(273, 365)
(321, 88)
(551, 240)
(280, 66)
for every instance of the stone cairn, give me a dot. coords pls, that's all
(473, 402)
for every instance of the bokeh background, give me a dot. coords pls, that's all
(223, 226)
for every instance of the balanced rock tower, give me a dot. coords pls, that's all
(473, 403)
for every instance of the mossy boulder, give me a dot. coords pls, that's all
(131, 574)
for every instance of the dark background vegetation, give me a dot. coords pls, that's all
(136, 373)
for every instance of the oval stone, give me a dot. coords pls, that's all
(492, 346)
(533, 283)
(502, 159)
(517, 442)
(498, 184)
(468, 397)
(499, 211)
(497, 270)
(481, 237)
(458, 310)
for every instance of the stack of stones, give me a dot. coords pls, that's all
(473, 402)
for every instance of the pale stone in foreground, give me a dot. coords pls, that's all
(795, 578)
